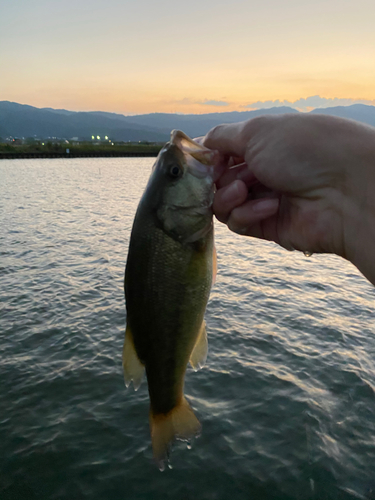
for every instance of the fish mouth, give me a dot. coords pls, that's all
(198, 169)
(199, 160)
(194, 149)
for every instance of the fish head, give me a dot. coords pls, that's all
(181, 189)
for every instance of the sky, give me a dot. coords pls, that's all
(200, 56)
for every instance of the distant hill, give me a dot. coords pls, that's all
(20, 120)
(195, 125)
(359, 112)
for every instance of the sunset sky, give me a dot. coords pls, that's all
(201, 56)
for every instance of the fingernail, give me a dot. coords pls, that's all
(268, 205)
(230, 193)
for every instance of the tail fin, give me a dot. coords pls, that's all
(179, 423)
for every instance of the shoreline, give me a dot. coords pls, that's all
(102, 154)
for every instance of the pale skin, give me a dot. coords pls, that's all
(306, 182)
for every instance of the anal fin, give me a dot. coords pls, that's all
(133, 368)
(199, 354)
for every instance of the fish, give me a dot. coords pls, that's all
(169, 271)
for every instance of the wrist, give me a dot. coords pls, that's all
(359, 206)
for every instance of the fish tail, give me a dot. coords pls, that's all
(179, 423)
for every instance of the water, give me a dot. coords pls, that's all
(286, 399)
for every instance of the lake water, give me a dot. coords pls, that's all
(286, 399)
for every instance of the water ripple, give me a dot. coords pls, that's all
(286, 399)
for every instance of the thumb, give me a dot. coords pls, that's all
(227, 139)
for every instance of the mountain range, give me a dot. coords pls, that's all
(20, 120)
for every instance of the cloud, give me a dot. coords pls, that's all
(309, 103)
(186, 101)
(207, 102)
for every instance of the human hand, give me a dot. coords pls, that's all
(306, 182)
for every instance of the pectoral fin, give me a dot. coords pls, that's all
(214, 265)
(133, 368)
(199, 355)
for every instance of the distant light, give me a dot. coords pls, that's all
(93, 137)
(98, 137)
(42, 143)
(106, 138)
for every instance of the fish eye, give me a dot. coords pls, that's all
(175, 171)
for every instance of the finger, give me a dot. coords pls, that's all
(228, 198)
(235, 160)
(240, 172)
(223, 162)
(220, 165)
(244, 219)
(227, 139)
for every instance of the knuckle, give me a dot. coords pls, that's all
(236, 228)
(256, 124)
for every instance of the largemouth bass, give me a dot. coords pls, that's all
(168, 276)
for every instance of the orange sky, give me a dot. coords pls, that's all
(139, 56)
